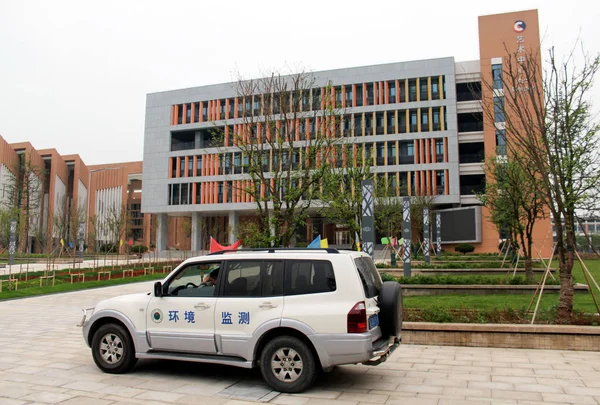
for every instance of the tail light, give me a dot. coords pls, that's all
(357, 318)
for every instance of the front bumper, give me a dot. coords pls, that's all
(84, 324)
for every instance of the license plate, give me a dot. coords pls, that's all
(373, 321)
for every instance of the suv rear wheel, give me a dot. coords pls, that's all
(287, 364)
(112, 349)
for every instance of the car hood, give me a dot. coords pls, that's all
(118, 303)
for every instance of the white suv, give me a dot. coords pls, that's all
(291, 312)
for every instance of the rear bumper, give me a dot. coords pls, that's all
(335, 350)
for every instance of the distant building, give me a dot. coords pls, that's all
(422, 122)
(67, 193)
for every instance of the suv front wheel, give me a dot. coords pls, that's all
(288, 365)
(112, 349)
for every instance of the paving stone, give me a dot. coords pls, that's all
(47, 397)
(568, 399)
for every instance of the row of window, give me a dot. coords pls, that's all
(417, 120)
(255, 278)
(385, 153)
(427, 182)
(346, 96)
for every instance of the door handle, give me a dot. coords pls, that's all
(201, 305)
(267, 305)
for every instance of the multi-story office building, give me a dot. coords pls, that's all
(63, 187)
(421, 121)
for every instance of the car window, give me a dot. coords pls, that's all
(253, 278)
(308, 277)
(195, 280)
(369, 276)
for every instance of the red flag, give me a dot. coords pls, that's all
(216, 247)
(130, 242)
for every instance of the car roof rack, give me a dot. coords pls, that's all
(273, 250)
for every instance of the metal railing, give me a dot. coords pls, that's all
(470, 127)
(182, 146)
(471, 157)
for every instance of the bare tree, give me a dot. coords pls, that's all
(551, 133)
(25, 196)
(286, 133)
(342, 193)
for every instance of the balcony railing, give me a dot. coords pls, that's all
(470, 127)
(379, 130)
(439, 158)
(471, 190)
(391, 129)
(435, 95)
(414, 128)
(501, 150)
(440, 190)
(406, 159)
(370, 101)
(380, 161)
(471, 157)
(182, 146)
(468, 96)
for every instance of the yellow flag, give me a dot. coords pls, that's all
(324, 243)
(62, 242)
(121, 242)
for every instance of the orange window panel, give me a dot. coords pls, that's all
(186, 166)
(201, 112)
(178, 167)
(354, 95)
(417, 177)
(434, 179)
(445, 149)
(193, 193)
(417, 160)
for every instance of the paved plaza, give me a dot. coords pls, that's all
(43, 359)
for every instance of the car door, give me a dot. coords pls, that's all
(183, 319)
(251, 300)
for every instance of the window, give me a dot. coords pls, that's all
(369, 276)
(308, 277)
(402, 86)
(182, 166)
(412, 90)
(253, 278)
(402, 121)
(435, 119)
(435, 89)
(190, 281)
(413, 121)
(392, 92)
(184, 193)
(423, 90)
(424, 120)
(499, 109)
(359, 95)
(190, 166)
(497, 76)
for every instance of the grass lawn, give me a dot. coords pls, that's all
(582, 302)
(32, 287)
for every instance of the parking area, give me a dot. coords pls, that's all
(43, 359)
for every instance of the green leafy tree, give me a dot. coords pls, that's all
(515, 202)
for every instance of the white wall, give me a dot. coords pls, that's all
(60, 190)
(107, 201)
(5, 186)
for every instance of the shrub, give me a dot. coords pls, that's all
(109, 247)
(139, 249)
(464, 248)
(301, 244)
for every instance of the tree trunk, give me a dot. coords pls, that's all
(528, 262)
(566, 257)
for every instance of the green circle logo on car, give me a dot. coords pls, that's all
(157, 315)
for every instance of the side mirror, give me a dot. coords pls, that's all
(158, 289)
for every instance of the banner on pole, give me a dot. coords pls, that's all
(368, 220)
(426, 234)
(12, 242)
(406, 234)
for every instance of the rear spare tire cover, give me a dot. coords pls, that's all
(390, 306)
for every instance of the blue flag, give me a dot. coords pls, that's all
(315, 244)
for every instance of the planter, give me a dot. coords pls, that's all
(554, 337)
(443, 289)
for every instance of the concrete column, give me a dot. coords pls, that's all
(162, 232)
(233, 224)
(196, 232)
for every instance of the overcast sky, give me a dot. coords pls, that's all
(74, 74)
